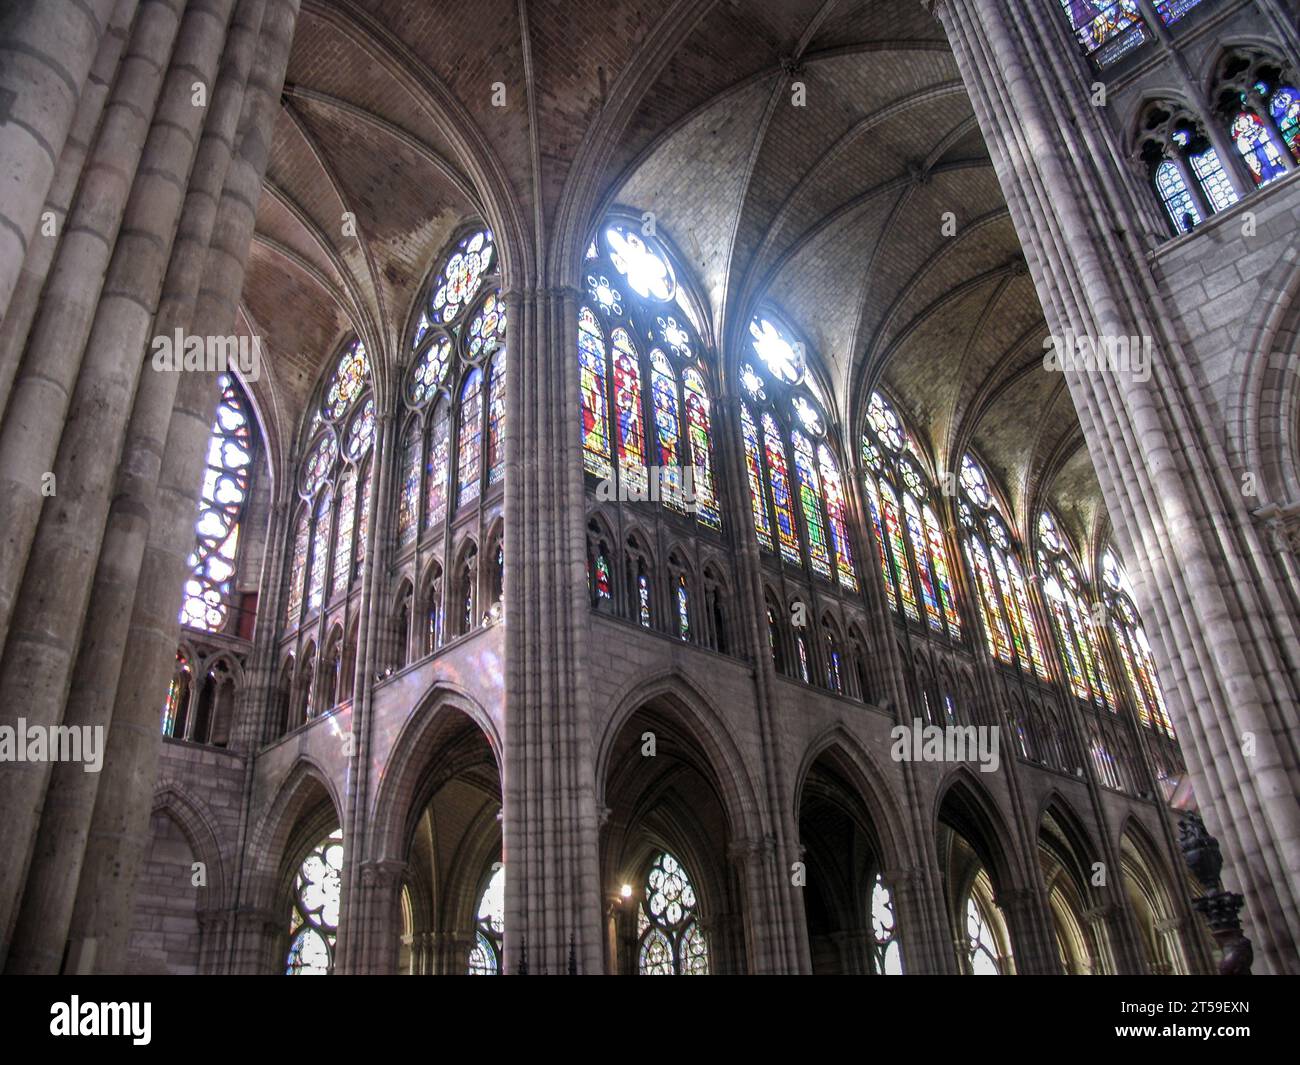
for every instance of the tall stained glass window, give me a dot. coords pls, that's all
(298, 565)
(1175, 197)
(1132, 648)
(343, 533)
(339, 436)
(320, 552)
(810, 498)
(629, 415)
(408, 499)
(754, 467)
(994, 560)
(314, 922)
(496, 459)
(455, 388)
(837, 513)
(778, 478)
(886, 959)
(643, 378)
(490, 927)
(699, 427)
(670, 941)
(470, 443)
(1067, 600)
(226, 476)
(436, 465)
(795, 485)
(912, 547)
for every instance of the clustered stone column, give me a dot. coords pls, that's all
(100, 452)
(550, 831)
(1203, 573)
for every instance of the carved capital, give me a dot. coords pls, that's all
(1282, 523)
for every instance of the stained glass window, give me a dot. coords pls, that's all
(698, 429)
(893, 532)
(1172, 10)
(837, 513)
(671, 942)
(1177, 200)
(428, 372)
(754, 469)
(435, 467)
(209, 587)
(992, 555)
(595, 425)
(1106, 29)
(408, 507)
(779, 483)
(779, 353)
(898, 494)
(811, 504)
(873, 504)
(648, 273)
(604, 589)
(458, 369)
(470, 441)
(351, 378)
(683, 609)
(320, 550)
(939, 559)
(887, 960)
(485, 957)
(663, 392)
(173, 716)
(1284, 106)
(1209, 172)
(343, 534)
(1258, 147)
(1072, 616)
(496, 458)
(361, 433)
(1134, 651)
(643, 597)
(627, 411)
(982, 949)
(363, 520)
(298, 567)
(319, 464)
(460, 279)
(488, 328)
(314, 923)
(644, 417)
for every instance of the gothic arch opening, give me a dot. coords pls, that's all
(440, 817)
(975, 877)
(1153, 911)
(852, 921)
(672, 890)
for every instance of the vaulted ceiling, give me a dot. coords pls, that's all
(411, 116)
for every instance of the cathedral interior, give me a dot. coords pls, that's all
(650, 487)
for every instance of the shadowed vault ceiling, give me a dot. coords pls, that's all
(833, 212)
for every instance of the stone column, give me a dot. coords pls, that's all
(46, 50)
(376, 917)
(17, 320)
(549, 825)
(119, 829)
(38, 405)
(66, 540)
(1205, 581)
